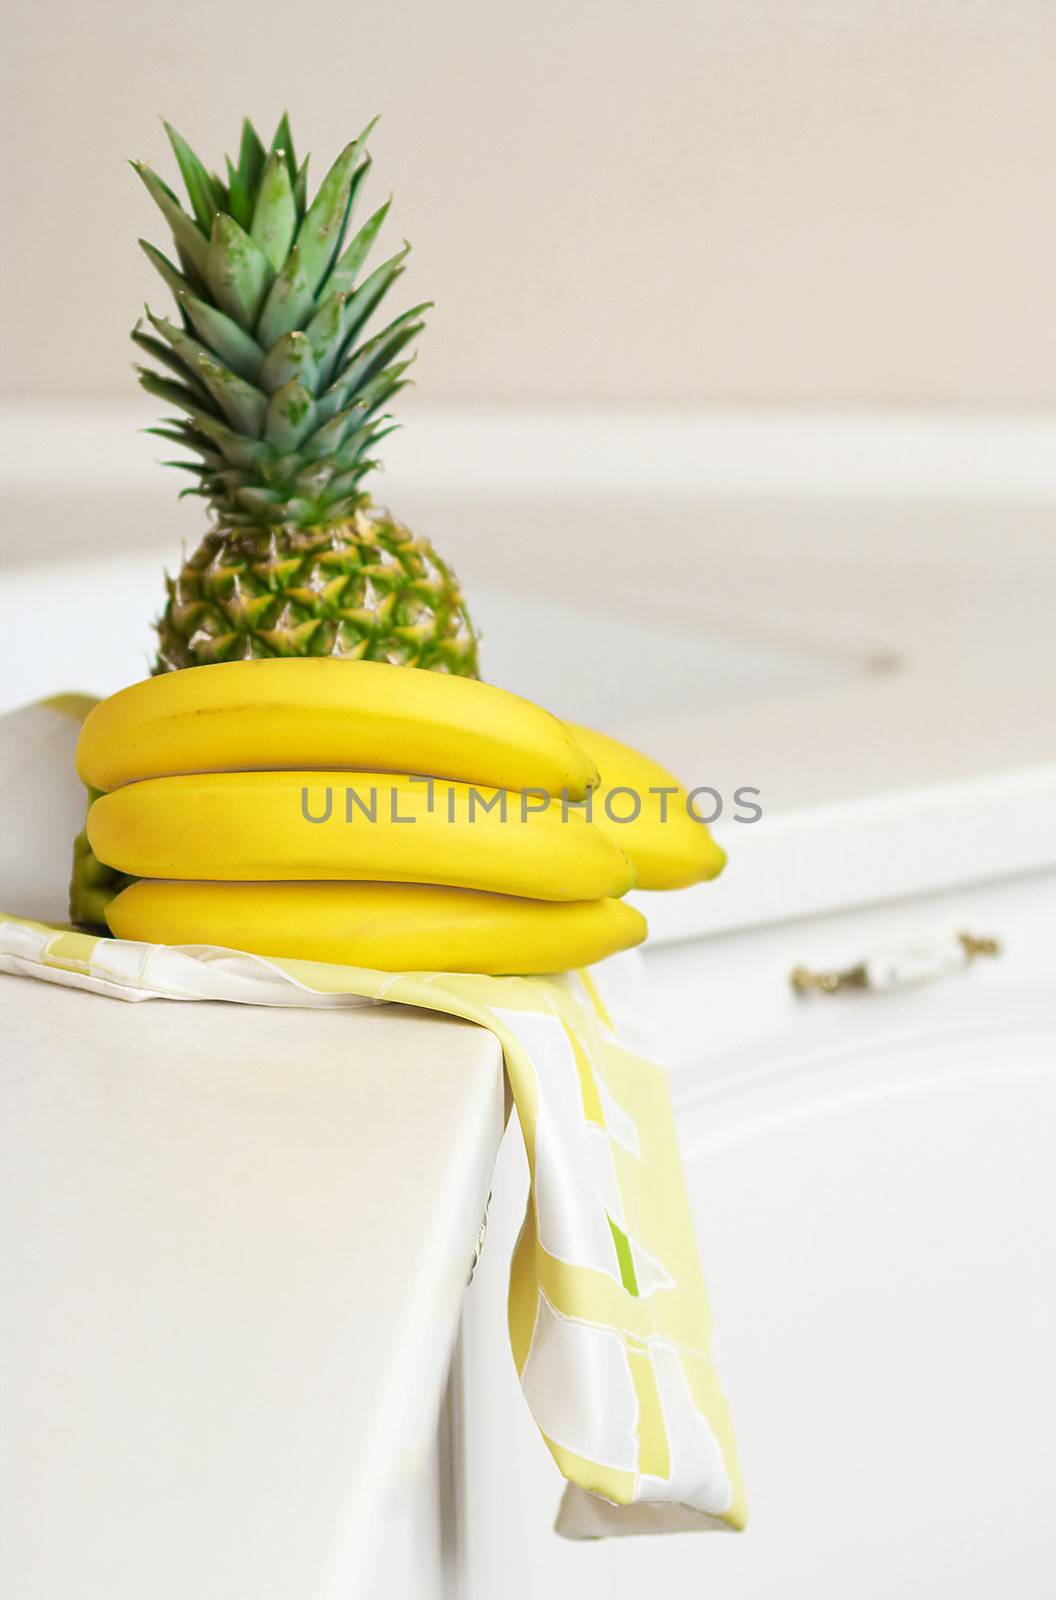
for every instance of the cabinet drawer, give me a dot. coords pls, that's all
(874, 1194)
(723, 1006)
(872, 1188)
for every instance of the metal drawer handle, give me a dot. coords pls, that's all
(899, 968)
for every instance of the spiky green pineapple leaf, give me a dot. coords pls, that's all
(190, 439)
(288, 303)
(369, 396)
(236, 448)
(323, 332)
(376, 353)
(283, 141)
(290, 416)
(181, 344)
(300, 188)
(251, 156)
(326, 440)
(359, 177)
(239, 199)
(237, 271)
(168, 357)
(176, 393)
(169, 274)
(289, 358)
(243, 179)
(360, 306)
(342, 316)
(204, 192)
(346, 269)
(344, 484)
(227, 340)
(363, 439)
(176, 435)
(384, 385)
(319, 235)
(242, 403)
(192, 245)
(274, 222)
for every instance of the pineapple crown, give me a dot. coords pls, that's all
(281, 394)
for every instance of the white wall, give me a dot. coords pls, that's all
(687, 201)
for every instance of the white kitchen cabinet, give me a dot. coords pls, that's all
(873, 1184)
(235, 1241)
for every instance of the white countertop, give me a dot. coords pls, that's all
(235, 1243)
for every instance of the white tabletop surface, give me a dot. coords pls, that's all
(235, 1243)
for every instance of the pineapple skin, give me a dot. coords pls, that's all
(363, 589)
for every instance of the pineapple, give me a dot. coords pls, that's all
(281, 397)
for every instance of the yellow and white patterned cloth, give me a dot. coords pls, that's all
(608, 1315)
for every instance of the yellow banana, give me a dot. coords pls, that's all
(277, 826)
(287, 713)
(397, 927)
(667, 846)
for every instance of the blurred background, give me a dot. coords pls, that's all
(789, 201)
(744, 313)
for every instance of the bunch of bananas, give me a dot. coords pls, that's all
(366, 814)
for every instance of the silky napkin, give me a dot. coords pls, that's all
(608, 1315)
